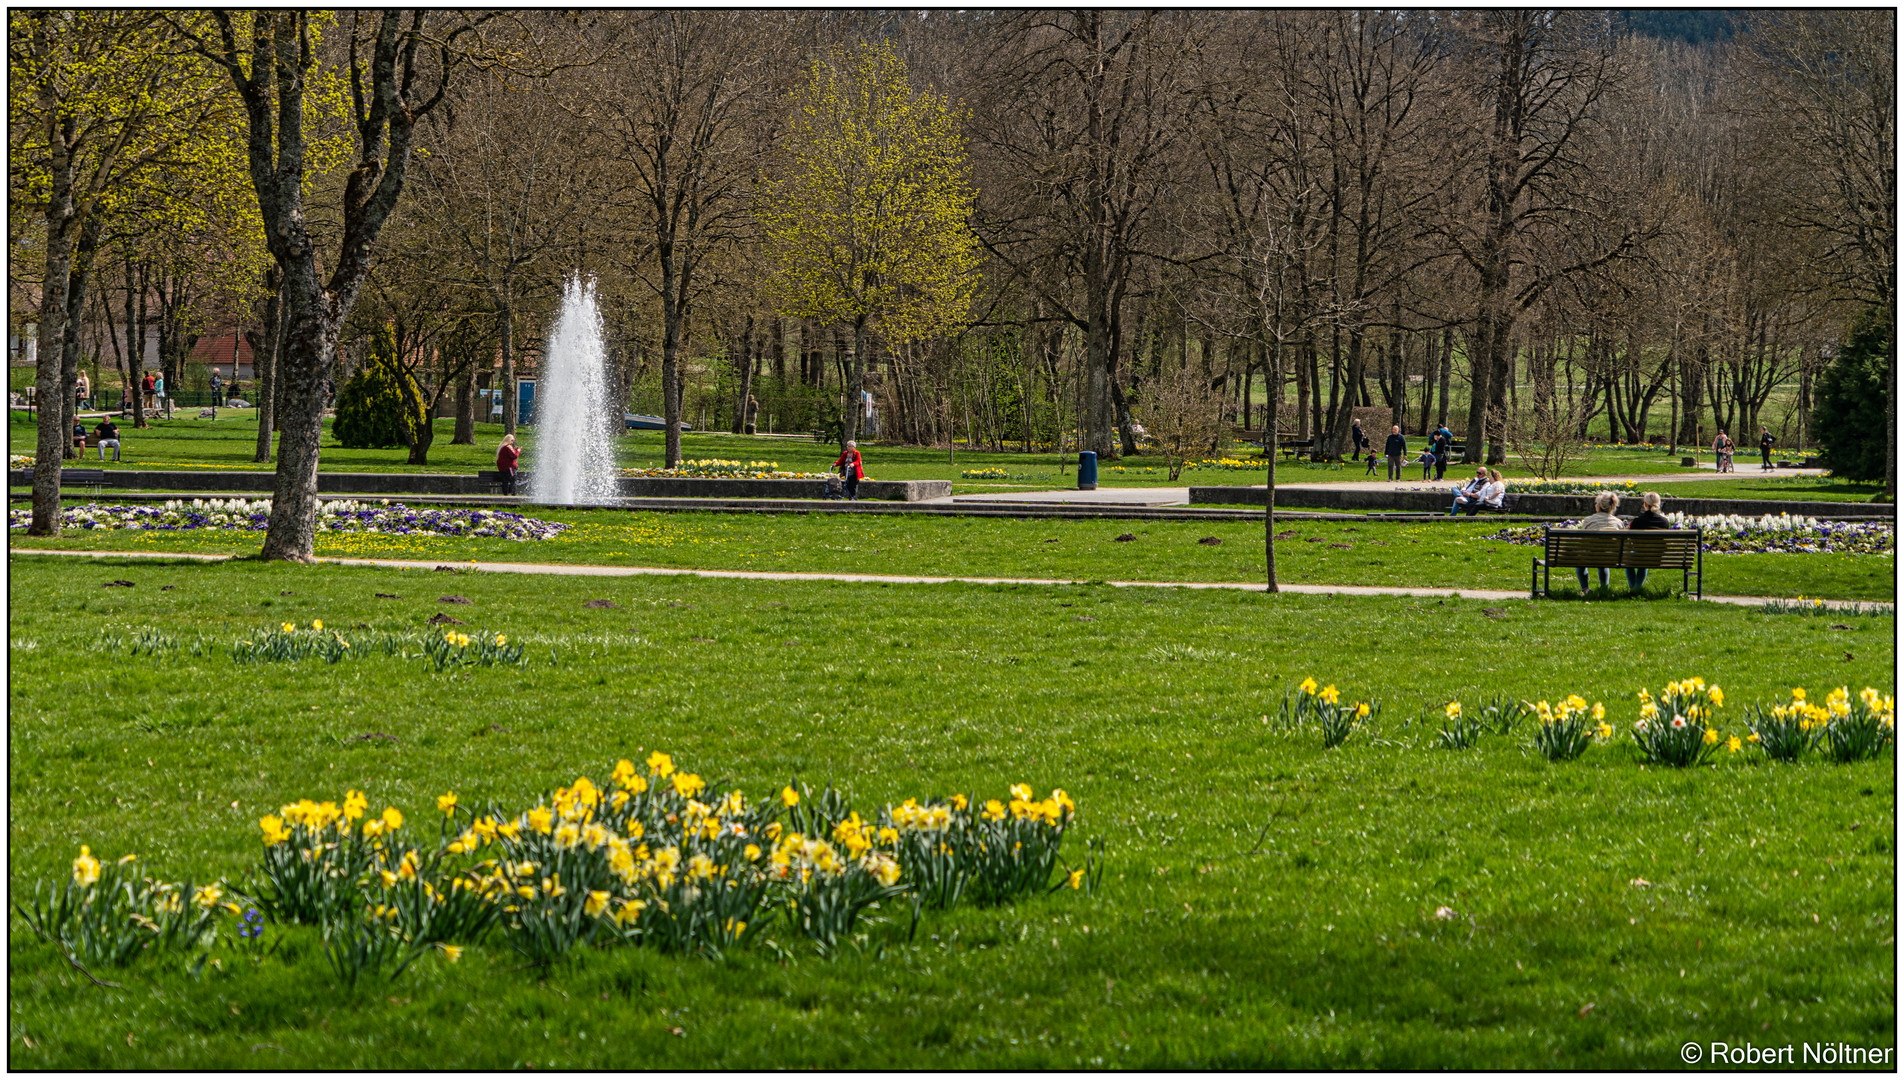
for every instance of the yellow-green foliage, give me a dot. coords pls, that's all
(872, 218)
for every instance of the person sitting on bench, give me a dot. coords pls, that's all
(79, 437)
(1602, 520)
(1649, 517)
(107, 434)
(1469, 493)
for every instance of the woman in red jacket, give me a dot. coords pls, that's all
(849, 467)
(506, 456)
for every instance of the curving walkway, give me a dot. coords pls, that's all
(580, 570)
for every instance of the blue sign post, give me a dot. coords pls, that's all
(525, 401)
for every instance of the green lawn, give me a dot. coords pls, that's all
(1267, 904)
(1427, 554)
(230, 442)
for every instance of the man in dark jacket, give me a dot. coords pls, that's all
(1396, 450)
(1444, 449)
(1765, 449)
(1357, 440)
(107, 434)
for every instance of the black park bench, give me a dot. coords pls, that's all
(496, 483)
(1644, 549)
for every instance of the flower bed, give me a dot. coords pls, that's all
(1572, 487)
(1732, 534)
(346, 516)
(721, 469)
(644, 860)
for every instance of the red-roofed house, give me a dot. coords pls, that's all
(226, 350)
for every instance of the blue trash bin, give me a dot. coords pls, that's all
(1087, 471)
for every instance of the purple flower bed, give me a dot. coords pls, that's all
(1747, 536)
(394, 519)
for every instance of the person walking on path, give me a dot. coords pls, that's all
(83, 391)
(1722, 453)
(1765, 449)
(506, 457)
(1443, 443)
(1357, 440)
(1602, 520)
(145, 387)
(753, 414)
(1649, 517)
(1396, 450)
(107, 434)
(848, 463)
(216, 384)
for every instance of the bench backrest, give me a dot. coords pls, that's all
(1648, 549)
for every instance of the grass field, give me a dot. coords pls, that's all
(1426, 554)
(1266, 903)
(230, 442)
(1795, 488)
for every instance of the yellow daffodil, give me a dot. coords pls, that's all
(1308, 686)
(1021, 792)
(541, 819)
(688, 785)
(288, 627)
(994, 810)
(452, 953)
(660, 764)
(446, 803)
(1712, 736)
(1361, 710)
(958, 802)
(86, 867)
(317, 624)
(1453, 710)
(207, 895)
(1733, 744)
(354, 805)
(1798, 693)
(1329, 694)
(392, 817)
(1718, 697)
(752, 851)
(629, 911)
(596, 903)
(1076, 878)
(274, 831)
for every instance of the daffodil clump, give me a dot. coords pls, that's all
(1565, 729)
(1325, 708)
(108, 913)
(1676, 730)
(290, 642)
(1844, 729)
(1459, 728)
(985, 474)
(655, 857)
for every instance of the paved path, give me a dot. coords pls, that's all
(573, 570)
(1174, 496)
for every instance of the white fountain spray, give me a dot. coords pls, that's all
(574, 449)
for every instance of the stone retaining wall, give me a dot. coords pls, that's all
(397, 484)
(1531, 505)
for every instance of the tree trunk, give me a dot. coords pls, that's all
(506, 325)
(1447, 375)
(135, 339)
(855, 379)
(1344, 407)
(465, 434)
(264, 355)
(80, 274)
(310, 347)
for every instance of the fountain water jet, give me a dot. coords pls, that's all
(574, 445)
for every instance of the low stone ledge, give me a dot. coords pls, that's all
(1530, 505)
(250, 481)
